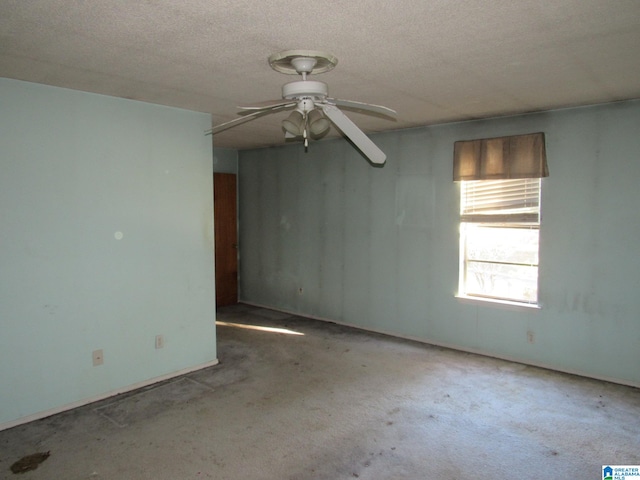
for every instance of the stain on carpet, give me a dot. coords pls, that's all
(30, 462)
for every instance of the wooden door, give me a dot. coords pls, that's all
(226, 238)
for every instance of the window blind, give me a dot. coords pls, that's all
(501, 201)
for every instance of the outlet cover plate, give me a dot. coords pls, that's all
(98, 357)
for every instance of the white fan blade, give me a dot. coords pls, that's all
(353, 133)
(269, 104)
(243, 119)
(233, 123)
(388, 112)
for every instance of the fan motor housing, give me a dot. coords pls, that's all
(305, 88)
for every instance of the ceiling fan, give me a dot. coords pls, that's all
(313, 110)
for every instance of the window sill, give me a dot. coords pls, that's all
(494, 301)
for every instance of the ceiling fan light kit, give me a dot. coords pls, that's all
(314, 110)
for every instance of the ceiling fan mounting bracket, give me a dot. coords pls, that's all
(302, 62)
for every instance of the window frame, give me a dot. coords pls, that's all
(498, 218)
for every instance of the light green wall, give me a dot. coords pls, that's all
(378, 247)
(225, 160)
(77, 168)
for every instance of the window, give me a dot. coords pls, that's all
(499, 235)
(500, 215)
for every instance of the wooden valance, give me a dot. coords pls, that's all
(518, 156)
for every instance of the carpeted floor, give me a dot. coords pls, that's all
(302, 399)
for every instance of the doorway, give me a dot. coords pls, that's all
(226, 238)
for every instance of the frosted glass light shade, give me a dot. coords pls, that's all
(294, 123)
(318, 123)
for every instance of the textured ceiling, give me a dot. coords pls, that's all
(433, 61)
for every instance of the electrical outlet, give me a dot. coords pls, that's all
(98, 358)
(159, 341)
(300, 291)
(530, 337)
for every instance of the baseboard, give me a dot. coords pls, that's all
(102, 396)
(458, 348)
